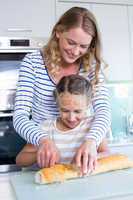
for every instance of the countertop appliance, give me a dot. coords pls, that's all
(12, 51)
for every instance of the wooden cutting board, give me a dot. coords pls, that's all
(113, 185)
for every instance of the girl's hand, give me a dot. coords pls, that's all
(86, 157)
(47, 154)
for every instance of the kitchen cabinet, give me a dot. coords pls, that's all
(61, 7)
(27, 18)
(130, 11)
(114, 26)
(122, 2)
(116, 30)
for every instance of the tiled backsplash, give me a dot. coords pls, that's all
(121, 96)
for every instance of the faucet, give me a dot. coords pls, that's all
(130, 123)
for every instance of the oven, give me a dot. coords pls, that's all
(12, 51)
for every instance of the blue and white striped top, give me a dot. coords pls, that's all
(35, 101)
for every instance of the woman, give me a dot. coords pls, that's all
(74, 48)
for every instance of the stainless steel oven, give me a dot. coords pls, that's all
(12, 51)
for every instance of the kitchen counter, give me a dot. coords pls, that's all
(121, 141)
(6, 190)
(70, 190)
(123, 146)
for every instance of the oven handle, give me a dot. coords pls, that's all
(19, 30)
(3, 114)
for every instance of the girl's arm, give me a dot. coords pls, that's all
(27, 156)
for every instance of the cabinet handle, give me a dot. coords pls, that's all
(19, 30)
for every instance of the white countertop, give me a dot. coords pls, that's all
(6, 190)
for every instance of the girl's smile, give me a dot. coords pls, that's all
(72, 110)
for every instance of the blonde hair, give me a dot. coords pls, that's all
(73, 18)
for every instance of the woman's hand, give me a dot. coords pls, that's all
(86, 157)
(47, 154)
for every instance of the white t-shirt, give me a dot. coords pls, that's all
(69, 141)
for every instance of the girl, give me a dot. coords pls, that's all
(73, 94)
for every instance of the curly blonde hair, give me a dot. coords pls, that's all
(73, 18)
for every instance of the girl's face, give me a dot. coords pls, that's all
(72, 109)
(73, 44)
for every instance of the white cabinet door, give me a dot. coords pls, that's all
(62, 7)
(114, 26)
(124, 2)
(32, 17)
(130, 11)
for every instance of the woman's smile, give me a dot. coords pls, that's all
(73, 44)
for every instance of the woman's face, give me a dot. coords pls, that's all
(72, 109)
(73, 44)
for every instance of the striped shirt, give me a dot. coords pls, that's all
(67, 142)
(35, 101)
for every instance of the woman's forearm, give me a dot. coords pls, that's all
(102, 115)
(26, 128)
(102, 111)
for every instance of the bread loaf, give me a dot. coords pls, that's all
(57, 173)
(61, 172)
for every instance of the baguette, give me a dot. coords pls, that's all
(61, 172)
(57, 173)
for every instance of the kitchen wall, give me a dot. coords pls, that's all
(121, 98)
(115, 18)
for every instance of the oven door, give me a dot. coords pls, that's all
(10, 142)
